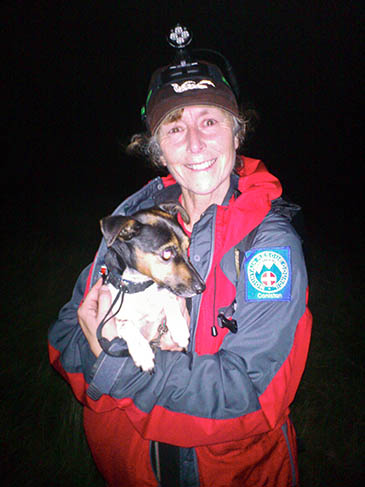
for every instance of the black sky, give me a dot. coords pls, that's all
(76, 75)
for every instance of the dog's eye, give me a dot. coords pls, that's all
(167, 254)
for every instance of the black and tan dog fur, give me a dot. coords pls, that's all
(151, 245)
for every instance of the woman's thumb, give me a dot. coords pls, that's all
(105, 301)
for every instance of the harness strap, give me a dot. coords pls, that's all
(167, 463)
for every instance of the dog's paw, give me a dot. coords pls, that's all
(138, 347)
(182, 343)
(142, 355)
(147, 365)
(176, 321)
(180, 334)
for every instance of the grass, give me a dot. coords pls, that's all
(42, 442)
(329, 407)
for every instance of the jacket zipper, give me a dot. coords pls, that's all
(192, 340)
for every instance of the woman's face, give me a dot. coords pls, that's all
(199, 150)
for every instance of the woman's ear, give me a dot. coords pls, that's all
(236, 142)
(163, 161)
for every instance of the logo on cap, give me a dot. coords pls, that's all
(192, 85)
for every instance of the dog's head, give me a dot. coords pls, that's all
(153, 243)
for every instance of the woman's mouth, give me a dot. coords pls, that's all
(201, 166)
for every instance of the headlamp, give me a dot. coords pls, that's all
(179, 37)
(187, 81)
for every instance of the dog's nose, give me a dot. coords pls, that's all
(199, 287)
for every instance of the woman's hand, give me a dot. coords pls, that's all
(92, 311)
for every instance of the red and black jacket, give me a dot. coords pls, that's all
(230, 392)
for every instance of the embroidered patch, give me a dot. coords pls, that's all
(268, 274)
(192, 85)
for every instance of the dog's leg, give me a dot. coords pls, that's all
(176, 322)
(139, 348)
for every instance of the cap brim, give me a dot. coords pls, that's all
(166, 100)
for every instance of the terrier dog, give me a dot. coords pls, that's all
(149, 251)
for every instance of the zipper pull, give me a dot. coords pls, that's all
(213, 331)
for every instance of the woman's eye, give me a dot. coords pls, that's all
(210, 122)
(174, 130)
(166, 254)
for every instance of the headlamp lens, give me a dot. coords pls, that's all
(179, 37)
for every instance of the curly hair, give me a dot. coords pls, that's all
(148, 145)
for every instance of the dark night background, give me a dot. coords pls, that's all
(75, 75)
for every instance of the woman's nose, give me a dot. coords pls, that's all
(195, 140)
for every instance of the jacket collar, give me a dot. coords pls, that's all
(252, 181)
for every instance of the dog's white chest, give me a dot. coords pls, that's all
(145, 309)
(140, 316)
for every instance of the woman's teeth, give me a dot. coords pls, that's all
(200, 166)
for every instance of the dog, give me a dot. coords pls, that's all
(149, 250)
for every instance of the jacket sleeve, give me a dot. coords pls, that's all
(68, 348)
(243, 389)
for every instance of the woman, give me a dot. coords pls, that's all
(218, 414)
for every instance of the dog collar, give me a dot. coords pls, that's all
(126, 286)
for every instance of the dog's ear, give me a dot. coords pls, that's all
(114, 262)
(119, 226)
(173, 208)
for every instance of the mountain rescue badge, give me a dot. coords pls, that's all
(268, 274)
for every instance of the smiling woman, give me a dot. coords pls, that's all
(148, 145)
(199, 151)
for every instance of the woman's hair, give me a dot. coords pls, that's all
(148, 145)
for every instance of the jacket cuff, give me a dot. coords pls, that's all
(106, 370)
